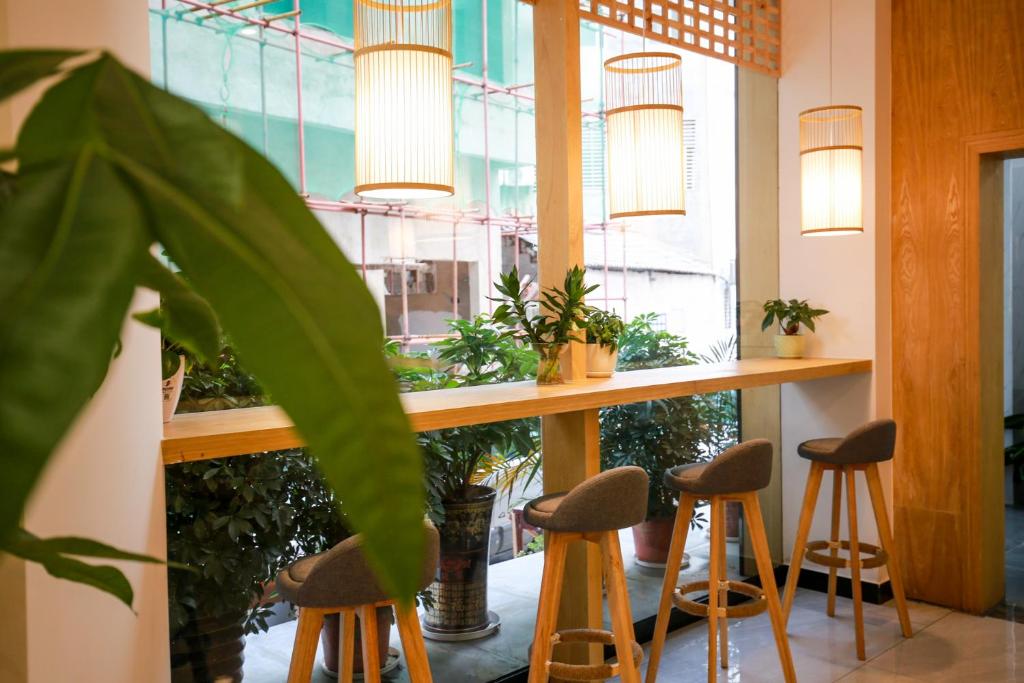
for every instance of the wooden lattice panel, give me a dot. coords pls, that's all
(744, 32)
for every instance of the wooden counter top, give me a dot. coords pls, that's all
(215, 434)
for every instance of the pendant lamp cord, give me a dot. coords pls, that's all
(830, 51)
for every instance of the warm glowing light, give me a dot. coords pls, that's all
(404, 129)
(644, 124)
(831, 147)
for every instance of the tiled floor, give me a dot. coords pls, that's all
(947, 646)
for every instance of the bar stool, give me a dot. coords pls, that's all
(737, 474)
(340, 581)
(861, 450)
(592, 511)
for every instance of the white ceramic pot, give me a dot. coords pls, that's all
(171, 390)
(601, 360)
(790, 345)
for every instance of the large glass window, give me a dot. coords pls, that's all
(431, 265)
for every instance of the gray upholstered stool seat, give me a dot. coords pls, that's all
(744, 467)
(341, 577)
(872, 442)
(592, 512)
(339, 581)
(614, 499)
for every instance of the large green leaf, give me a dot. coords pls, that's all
(299, 315)
(53, 554)
(183, 315)
(21, 68)
(69, 248)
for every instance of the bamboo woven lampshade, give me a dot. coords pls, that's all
(404, 129)
(644, 124)
(831, 150)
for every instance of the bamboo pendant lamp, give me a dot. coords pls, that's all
(644, 128)
(404, 129)
(831, 150)
(831, 164)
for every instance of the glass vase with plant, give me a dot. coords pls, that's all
(790, 315)
(549, 324)
(603, 331)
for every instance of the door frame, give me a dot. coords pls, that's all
(983, 231)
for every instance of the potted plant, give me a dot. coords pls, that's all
(238, 521)
(457, 463)
(790, 315)
(603, 331)
(654, 435)
(106, 167)
(550, 326)
(172, 371)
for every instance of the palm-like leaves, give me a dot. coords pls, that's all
(790, 315)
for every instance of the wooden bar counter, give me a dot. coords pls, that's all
(224, 433)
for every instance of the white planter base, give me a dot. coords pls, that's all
(601, 361)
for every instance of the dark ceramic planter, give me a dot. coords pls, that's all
(209, 649)
(460, 589)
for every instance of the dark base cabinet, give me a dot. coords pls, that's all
(209, 649)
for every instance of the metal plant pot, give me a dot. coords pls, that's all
(459, 593)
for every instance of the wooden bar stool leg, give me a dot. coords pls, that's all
(412, 644)
(555, 547)
(368, 633)
(851, 512)
(307, 636)
(348, 646)
(668, 585)
(763, 557)
(803, 528)
(723, 592)
(833, 572)
(885, 534)
(618, 606)
(717, 520)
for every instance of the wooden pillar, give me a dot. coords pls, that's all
(571, 440)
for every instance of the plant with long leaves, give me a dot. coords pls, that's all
(110, 165)
(790, 315)
(560, 313)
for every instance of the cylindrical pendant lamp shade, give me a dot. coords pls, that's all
(404, 129)
(831, 149)
(644, 124)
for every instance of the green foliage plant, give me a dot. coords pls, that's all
(790, 315)
(604, 328)
(477, 353)
(548, 326)
(108, 167)
(555, 320)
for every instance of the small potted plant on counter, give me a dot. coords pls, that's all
(172, 368)
(603, 331)
(790, 315)
(549, 326)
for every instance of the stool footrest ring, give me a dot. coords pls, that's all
(747, 609)
(871, 556)
(588, 672)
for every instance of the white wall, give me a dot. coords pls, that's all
(846, 275)
(106, 480)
